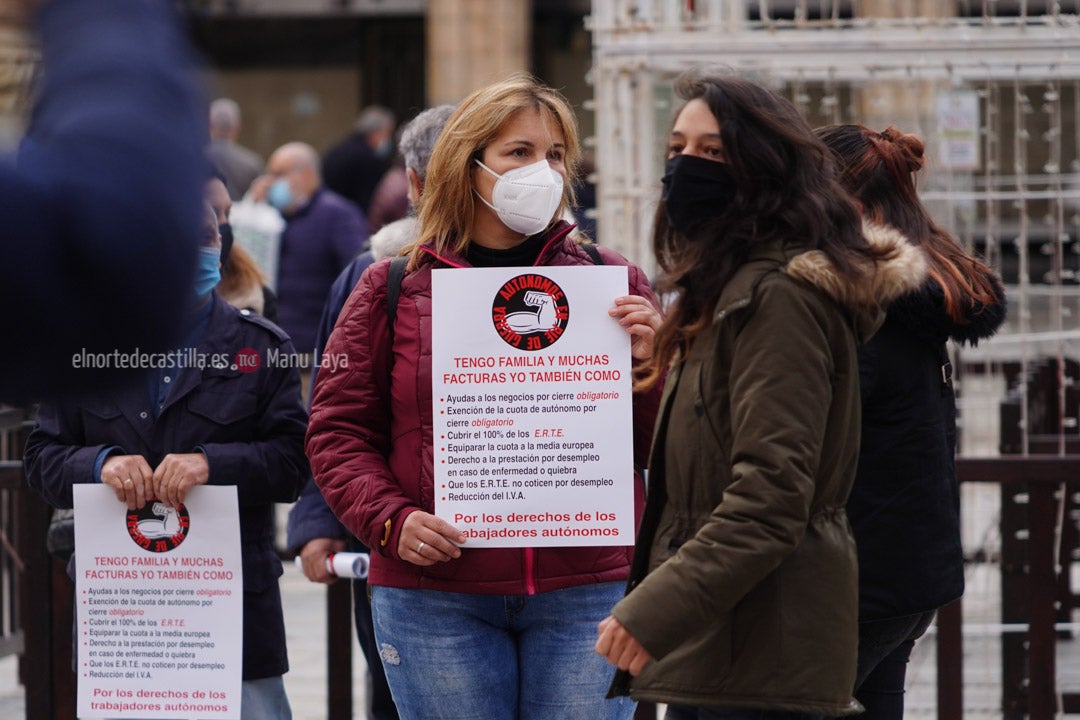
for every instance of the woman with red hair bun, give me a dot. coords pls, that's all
(905, 505)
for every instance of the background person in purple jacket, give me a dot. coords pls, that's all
(323, 233)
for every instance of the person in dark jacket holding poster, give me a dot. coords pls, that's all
(478, 633)
(905, 505)
(188, 424)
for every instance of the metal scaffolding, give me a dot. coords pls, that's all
(830, 63)
(992, 87)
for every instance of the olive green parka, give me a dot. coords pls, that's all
(744, 585)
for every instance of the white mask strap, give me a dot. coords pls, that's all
(485, 201)
(493, 173)
(496, 175)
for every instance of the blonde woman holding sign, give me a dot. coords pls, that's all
(471, 633)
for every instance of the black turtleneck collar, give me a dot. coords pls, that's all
(524, 254)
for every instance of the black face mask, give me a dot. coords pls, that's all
(225, 229)
(696, 189)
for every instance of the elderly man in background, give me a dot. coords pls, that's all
(323, 233)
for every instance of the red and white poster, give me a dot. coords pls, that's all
(159, 606)
(531, 389)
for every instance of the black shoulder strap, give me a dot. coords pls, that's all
(946, 370)
(393, 287)
(591, 251)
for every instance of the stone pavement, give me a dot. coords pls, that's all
(305, 634)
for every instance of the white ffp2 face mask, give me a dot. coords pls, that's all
(525, 198)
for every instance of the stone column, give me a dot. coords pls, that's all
(471, 43)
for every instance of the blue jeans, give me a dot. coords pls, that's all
(884, 649)
(264, 699)
(681, 712)
(380, 700)
(455, 656)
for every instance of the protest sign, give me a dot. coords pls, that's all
(532, 406)
(159, 606)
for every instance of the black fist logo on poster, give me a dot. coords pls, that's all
(158, 528)
(530, 312)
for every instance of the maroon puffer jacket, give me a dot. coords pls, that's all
(370, 439)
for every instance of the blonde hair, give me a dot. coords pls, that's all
(447, 205)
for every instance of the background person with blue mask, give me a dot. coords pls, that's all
(323, 233)
(187, 426)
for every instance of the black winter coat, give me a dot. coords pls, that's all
(249, 425)
(905, 506)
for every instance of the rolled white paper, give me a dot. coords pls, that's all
(344, 565)
(348, 564)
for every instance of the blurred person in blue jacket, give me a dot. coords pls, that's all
(354, 166)
(313, 530)
(101, 210)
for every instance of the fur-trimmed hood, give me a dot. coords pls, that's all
(865, 294)
(901, 284)
(391, 238)
(902, 271)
